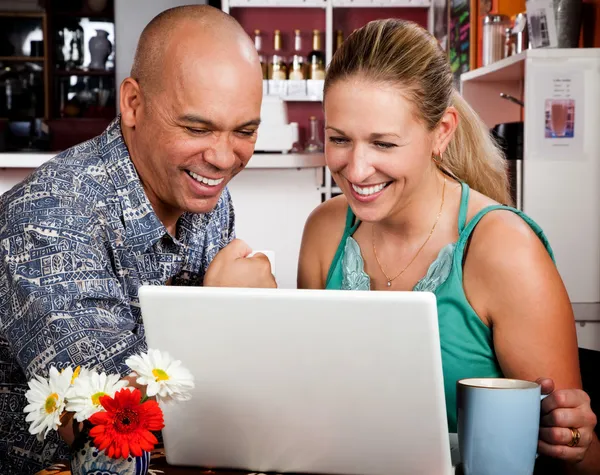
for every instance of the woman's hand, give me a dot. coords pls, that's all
(565, 413)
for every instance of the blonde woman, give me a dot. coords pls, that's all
(424, 208)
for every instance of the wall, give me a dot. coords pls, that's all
(131, 16)
(590, 35)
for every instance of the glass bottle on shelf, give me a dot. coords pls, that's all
(261, 56)
(297, 65)
(314, 143)
(277, 67)
(316, 58)
(339, 39)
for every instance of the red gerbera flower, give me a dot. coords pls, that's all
(125, 426)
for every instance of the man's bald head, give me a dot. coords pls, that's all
(206, 27)
(191, 108)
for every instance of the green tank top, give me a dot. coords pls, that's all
(466, 342)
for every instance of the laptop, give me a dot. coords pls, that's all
(303, 381)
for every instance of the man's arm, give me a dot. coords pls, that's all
(61, 303)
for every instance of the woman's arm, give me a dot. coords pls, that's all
(514, 286)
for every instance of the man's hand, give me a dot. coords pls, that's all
(232, 267)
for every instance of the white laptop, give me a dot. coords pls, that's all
(303, 381)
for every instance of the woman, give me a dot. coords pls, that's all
(422, 182)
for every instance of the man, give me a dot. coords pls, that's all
(144, 203)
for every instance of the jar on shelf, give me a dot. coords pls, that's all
(494, 27)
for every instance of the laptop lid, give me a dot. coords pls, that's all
(303, 381)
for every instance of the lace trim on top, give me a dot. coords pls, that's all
(354, 276)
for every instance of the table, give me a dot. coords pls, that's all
(158, 464)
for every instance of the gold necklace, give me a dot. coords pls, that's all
(390, 280)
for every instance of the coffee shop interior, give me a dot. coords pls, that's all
(531, 71)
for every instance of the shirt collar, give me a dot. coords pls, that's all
(142, 227)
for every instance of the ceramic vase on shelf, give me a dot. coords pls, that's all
(97, 5)
(86, 459)
(100, 49)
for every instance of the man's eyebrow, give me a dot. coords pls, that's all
(195, 119)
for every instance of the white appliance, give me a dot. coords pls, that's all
(304, 381)
(275, 134)
(559, 181)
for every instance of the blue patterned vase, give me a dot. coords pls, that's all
(88, 460)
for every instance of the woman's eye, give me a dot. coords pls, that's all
(338, 140)
(384, 145)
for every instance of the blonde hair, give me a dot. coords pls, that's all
(402, 53)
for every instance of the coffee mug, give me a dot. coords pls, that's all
(498, 425)
(270, 255)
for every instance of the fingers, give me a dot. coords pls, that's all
(568, 418)
(265, 264)
(564, 436)
(565, 398)
(563, 452)
(260, 257)
(236, 249)
(547, 385)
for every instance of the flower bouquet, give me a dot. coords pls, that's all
(114, 421)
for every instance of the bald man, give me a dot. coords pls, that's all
(144, 203)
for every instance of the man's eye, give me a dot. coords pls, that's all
(246, 133)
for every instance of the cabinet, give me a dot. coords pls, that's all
(328, 16)
(50, 69)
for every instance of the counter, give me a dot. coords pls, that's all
(273, 197)
(259, 160)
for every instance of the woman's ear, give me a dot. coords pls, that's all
(445, 130)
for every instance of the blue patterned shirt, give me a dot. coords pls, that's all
(78, 238)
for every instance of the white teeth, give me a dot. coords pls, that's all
(204, 180)
(368, 190)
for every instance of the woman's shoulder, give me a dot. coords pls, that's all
(323, 232)
(502, 228)
(505, 243)
(327, 221)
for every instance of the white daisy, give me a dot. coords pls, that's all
(83, 398)
(46, 398)
(164, 377)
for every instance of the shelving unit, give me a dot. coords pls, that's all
(560, 176)
(42, 18)
(83, 72)
(328, 8)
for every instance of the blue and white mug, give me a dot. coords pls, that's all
(498, 425)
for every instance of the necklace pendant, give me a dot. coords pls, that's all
(389, 283)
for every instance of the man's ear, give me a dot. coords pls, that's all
(131, 100)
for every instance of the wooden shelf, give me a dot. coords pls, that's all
(300, 98)
(381, 3)
(335, 3)
(507, 69)
(96, 16)
(258, 160)
(22, 59)
(279, 3)
(22, 14)
(81, 72)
